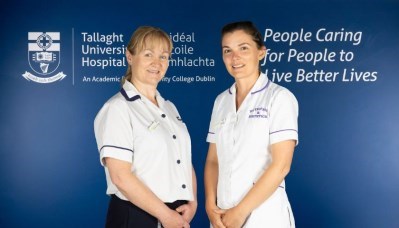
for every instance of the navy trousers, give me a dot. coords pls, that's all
(124, 214)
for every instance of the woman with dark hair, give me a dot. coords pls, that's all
(252, 136)
(144, 145)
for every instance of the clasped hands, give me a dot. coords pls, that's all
(230, 218)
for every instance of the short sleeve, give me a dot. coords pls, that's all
(114, 132)
(283, 117)
(211, 137)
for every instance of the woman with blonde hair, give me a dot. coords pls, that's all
(144, 145)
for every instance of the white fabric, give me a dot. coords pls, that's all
(267, 115)
(155, 140)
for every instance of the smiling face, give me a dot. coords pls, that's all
(149, 65)
(241, 54)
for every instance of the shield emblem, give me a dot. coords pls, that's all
(44, 52)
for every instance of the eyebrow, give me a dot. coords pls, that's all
(147, 49)
(241, 44)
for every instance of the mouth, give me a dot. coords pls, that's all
(237, 66)
(153, 71)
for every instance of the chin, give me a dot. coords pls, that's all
(238, 75)
(154, 82)
(155, 78)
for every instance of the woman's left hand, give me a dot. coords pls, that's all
(188, 210)
(233, 217)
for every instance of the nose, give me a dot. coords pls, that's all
(156, 61)
(235, 55)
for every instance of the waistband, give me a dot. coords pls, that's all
(172, 205)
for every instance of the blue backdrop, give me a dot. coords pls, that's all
(345, 171)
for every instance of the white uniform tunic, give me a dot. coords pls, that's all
(267, 115)
(129, 127)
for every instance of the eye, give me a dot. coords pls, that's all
(243, 48)
(164, 57)
(226, 51)
(148, 54)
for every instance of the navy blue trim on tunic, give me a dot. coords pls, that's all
(267, 84)
(117, 147)
(123, 92)
(283, 130)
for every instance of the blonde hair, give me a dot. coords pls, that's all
(138, 41)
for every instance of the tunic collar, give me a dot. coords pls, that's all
(130, 93)
(260, 85)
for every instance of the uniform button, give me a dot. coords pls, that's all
(174, 136)
(178, 161)
(163, 115)
(183, 186)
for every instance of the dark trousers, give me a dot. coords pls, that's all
(124, 214)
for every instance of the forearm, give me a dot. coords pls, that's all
(282, 154)
(263, 188)
(211, 180)
(194, 184)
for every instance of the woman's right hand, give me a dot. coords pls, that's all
(214, 217)
(173, 220)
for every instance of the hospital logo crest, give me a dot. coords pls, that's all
(44, 57)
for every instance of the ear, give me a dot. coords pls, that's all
(262, 52)
(128, 56)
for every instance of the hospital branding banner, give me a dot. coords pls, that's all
(61, 62)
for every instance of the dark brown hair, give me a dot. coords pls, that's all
(248, 27)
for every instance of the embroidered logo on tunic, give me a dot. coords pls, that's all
(258, 112)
